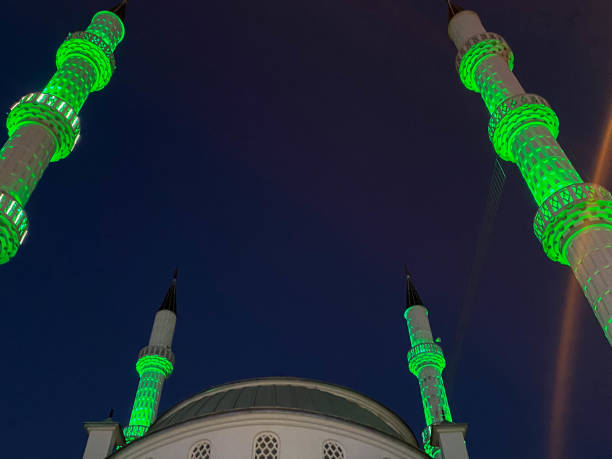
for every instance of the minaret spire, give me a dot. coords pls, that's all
(574, 218)
(119, 9)
(169, 303)
(44, 126)
(412, 296)
(453, 9)
(441, 438)
(155, 364)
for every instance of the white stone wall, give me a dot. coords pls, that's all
(463, 26)
(301, 436)
(590, 256)
(163, 328)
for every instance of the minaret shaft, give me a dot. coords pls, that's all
(574, 219)
(146, 403)
(426, 361)
(442, 438)
(23, 160)
(44, 126)
(163, 329)
(155, 364)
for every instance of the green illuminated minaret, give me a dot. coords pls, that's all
(441, 438)
(574, 218)
(44, 126)
(155, 364)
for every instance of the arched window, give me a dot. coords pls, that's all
(333, 450)
(201, 450)
(266, 446)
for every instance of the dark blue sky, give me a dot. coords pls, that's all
(290, 157)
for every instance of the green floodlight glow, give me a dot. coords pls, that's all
(475, 51)
(426, 361)
(568, 212)
(515, 114)
(51, 112)
(153, 370)
(44, 127)
(157, 363)
(13, 225)
(574, 219)
(433, 451)
(106, 29)
(85, 63)
(423, 355)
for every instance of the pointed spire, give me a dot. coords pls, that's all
(169, 302)
(412, 296)
(119, 9)
(453, 9)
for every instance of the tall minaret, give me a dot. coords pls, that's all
(44, 126)
(441, 438)
(574, 219)
(155, 364)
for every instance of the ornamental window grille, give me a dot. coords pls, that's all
(201, 450)
(266, 446)
(333, 450)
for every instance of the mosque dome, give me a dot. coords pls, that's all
(303, 418)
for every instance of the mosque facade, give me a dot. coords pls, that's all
(293, 418)
(279, 418)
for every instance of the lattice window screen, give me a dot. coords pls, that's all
(333, 450)
(200, 450)
(266, 446)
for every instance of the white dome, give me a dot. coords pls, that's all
(276, 418)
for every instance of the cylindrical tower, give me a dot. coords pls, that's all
(426, 362)
(155, 364)
(44, 126)
(574, 219)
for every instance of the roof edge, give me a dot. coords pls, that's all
(242, 416)
(393, 420)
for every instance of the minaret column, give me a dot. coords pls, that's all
(44, 126)
(574, 219)
(155, 364)
(589, 253)
(426, 362)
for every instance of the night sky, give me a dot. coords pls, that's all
(289, 157)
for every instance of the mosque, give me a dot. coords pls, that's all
(294, 418)
(273, 418)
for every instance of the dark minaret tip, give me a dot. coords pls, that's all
(453, 9)
(119, 9)
(412, 296)
(169, 302)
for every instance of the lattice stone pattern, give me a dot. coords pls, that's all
(333, 450)
(200, 450)
(266, 446)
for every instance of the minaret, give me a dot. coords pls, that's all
(44, 126)
(155, 364)
(574, 218)
(441, 438)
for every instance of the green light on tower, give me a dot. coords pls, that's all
(426, 362)
(154, 365)
(574, 219)
(153, 370)
(44, 127)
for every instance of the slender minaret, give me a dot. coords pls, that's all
(155, 364)
(441, 438)
(574, 219)
(44, 126)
